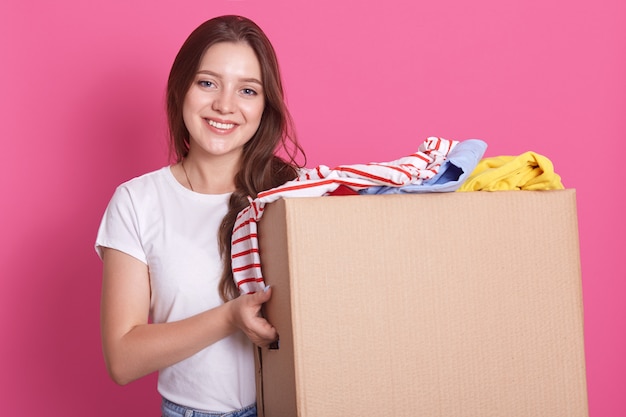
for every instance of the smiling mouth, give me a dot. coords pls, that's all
(221, 126)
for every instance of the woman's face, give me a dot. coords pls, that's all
(223, 107)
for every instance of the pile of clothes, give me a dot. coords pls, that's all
(439, 165)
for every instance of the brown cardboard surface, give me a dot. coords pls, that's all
(452, 304)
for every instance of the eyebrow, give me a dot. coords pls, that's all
(245, 80)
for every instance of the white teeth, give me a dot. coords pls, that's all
(222, 126)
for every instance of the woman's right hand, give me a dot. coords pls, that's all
(133, 347)
(246, 315)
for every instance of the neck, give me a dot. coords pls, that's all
(207, 177)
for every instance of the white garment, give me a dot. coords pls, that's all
(409, 170)
(174, 231)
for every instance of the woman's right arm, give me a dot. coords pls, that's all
(133, 347)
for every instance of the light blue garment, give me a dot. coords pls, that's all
(453, 172)
(170, 409)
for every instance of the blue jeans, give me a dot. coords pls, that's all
(170, 409)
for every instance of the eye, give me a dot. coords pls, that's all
(248, 92)
(206, 84)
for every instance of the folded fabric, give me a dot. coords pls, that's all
(460, 163)
(322, 180)
(528, 171)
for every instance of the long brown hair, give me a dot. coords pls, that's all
(260, 168)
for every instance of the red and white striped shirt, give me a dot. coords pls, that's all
(322, 180)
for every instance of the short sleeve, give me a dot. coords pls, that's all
(120, 227)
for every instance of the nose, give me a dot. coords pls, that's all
(224, 102)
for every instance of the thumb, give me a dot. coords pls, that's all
(265, 295)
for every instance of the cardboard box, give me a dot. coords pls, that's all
(453, 304)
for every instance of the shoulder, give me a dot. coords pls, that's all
(143, 189)
(147, 180)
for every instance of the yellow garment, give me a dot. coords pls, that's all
(528, 171)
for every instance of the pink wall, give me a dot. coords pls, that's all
(81, 103)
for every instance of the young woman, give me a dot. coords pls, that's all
(169, 303)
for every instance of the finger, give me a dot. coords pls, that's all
(268, 340)
(264, 296)
(265, 331)
(263, 336)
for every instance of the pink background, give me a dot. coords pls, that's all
(81, 96)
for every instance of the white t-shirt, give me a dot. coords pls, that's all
(173, 230)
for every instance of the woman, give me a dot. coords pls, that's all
(169, 302)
